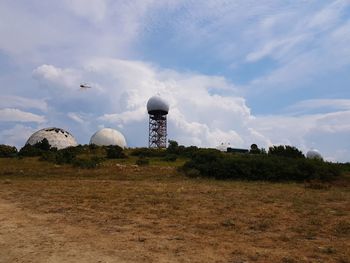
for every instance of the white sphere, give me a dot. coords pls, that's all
(157, 104)
(56, 137)
(313, 154)
(107, 136)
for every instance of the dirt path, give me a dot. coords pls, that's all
(28, 237)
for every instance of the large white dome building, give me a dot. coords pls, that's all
(314, 154)
(107, 136)
(56, 137)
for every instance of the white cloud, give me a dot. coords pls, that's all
(319, 104)
(16, 136)
(75, 117)
(9, 101)
(94, 10)
(16, 115)
(67, 78)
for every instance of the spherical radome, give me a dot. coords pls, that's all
(56, 137)
(107, 136)
(157, 104)
(223, 147)
(313, 154)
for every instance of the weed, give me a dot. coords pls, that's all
(142, 161)
(317, 185)
(342, 228)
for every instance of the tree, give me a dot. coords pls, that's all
(285, 151)
(254, 149)
(7, 151)
(173, 147)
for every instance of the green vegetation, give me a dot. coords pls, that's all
(142, 161)
(7, 151)
(115, 152)
(281, 163)
(259, 167)
(285, 151)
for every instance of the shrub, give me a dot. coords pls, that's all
(7, 151)
(285, 151)
(259, 167)
(43, 145)
(115, 152)
(173, 147)
(87, 163)
(170, 158)
(63, 156)
(30, 151)
(142, 161)
(148, 152)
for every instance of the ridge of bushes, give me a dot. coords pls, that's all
(259, 167)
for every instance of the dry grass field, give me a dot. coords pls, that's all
(123, 213)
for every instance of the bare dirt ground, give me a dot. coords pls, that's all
(120, 213)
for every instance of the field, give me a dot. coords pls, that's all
(120, 212)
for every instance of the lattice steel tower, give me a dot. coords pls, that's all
(157, 109)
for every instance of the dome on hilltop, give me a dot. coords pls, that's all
(314, 154)
(56, 137)
(223, 146)
(107, 136)
(156, 104)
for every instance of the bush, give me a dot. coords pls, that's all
(285, 151)
(148, 152)
(7, 151)
(63, 156)
(115, 152)
(173, 147)
(142, 161)
(30, 151)
(87, 163)
(259, 167)
(170, 158)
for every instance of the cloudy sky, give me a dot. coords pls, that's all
(240, 71)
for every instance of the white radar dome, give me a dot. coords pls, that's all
(157, 104)
(107, 136)
(314, 154)
(223, 147)
(56, 137)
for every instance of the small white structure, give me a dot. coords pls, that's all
(56, 137)
(107, 137)
(223, 146)
(314, 154)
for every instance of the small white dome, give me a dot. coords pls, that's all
(313, 154)
(107, 136)
(56, 137)
(156, 103)
(223, 147)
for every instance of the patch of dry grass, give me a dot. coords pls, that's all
(166, 217)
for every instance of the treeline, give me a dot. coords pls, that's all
(211, 163)
(279, 163)
(83, 156)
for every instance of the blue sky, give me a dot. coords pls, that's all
(267, 72)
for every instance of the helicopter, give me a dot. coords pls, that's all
(84, 86)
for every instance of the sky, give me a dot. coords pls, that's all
(269, 72)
